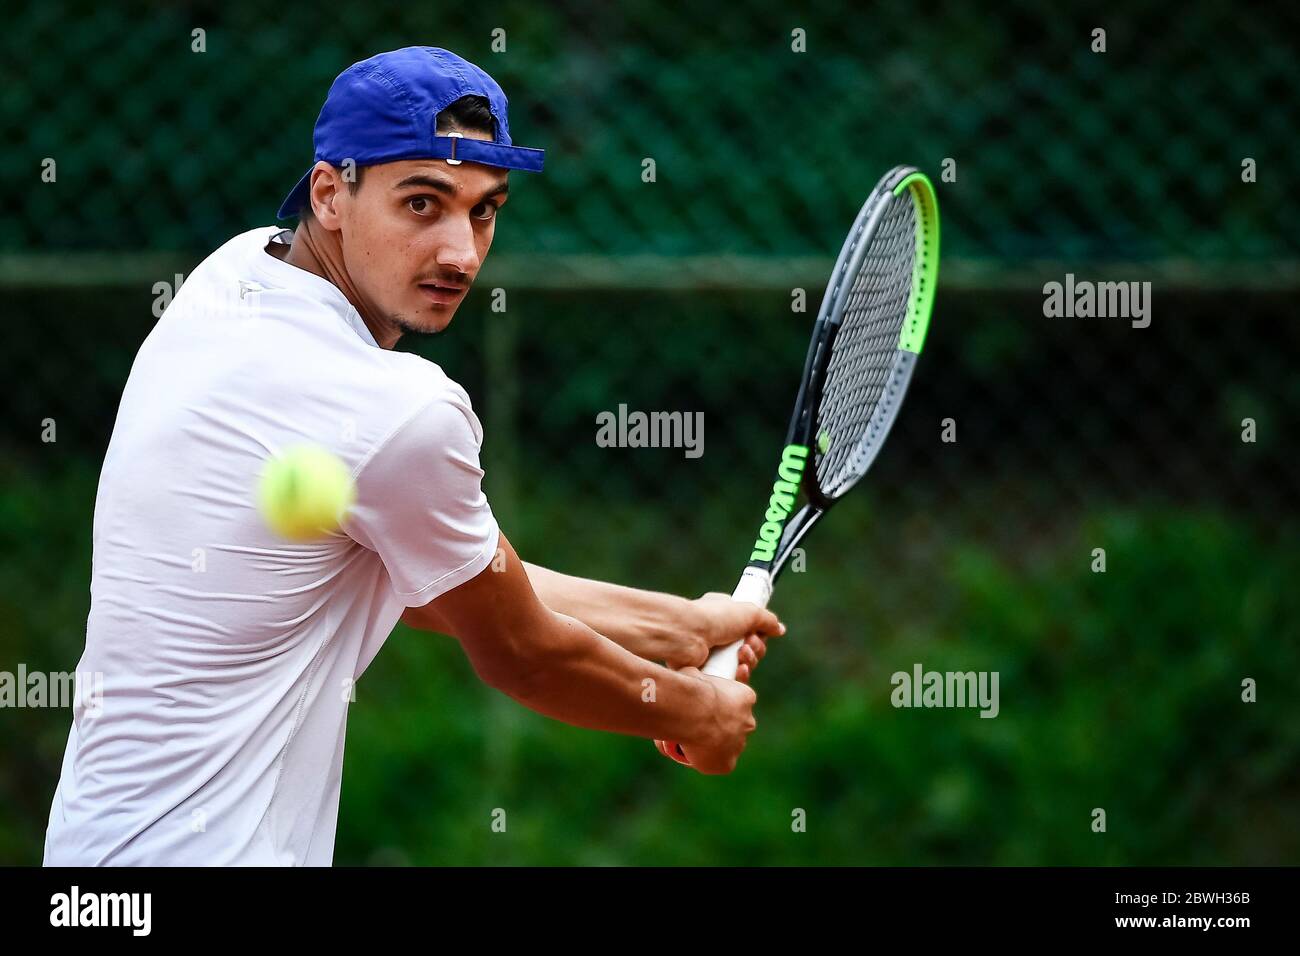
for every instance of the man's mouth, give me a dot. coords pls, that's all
(441, 294)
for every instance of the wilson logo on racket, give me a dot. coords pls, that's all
(779, 506)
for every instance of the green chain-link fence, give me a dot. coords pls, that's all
(1167, 158)
(1062, 154)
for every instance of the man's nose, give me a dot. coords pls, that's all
(458, 250)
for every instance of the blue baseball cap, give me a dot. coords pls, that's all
(386, 108)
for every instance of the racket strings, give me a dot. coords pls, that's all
(864, 349)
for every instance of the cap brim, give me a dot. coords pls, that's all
(443, 147)
(506, 156)
(297, 197)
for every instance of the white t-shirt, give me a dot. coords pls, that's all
(228, 654)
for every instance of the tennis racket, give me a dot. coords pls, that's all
(868, 334)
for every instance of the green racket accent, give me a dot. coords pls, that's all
(925, 271)
(779, 506)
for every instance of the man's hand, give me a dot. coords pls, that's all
(718, 745)
(721, 620)
(716, 621)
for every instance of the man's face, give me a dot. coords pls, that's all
(415, 234)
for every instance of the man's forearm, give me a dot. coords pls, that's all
(644, 622)
(561, 667)
(564, 669)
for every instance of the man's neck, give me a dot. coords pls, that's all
(322, 256)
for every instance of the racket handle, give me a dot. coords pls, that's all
(755, 586)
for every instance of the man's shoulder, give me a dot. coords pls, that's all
(429, 392)
(400, 392)
(418, 376)
(240, 247)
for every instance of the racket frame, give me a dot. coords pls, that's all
(757, 579)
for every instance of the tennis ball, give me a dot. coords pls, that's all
(304, 493)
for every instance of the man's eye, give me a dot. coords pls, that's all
(420, 205)
(485, 211)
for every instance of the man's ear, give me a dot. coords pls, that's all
(323, 193)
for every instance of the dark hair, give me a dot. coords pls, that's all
(469, 114)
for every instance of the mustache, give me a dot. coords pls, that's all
(455, 280)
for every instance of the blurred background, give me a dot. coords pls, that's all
(1119, 690)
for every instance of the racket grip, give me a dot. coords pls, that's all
(755, 586)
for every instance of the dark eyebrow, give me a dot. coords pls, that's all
(446, 187)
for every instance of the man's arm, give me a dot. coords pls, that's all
(559, 666)
(651, 624)
(647, 623)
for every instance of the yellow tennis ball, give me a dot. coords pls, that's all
(304, 493)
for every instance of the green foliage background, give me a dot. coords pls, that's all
(1119, 690)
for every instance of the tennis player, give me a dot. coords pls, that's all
(228, 655)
